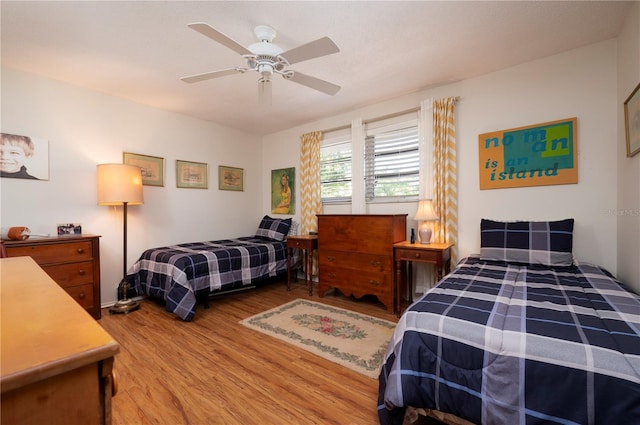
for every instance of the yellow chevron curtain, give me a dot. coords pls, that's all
(310, 195)
(445, 191)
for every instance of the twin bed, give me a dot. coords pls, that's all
(520, 334)
(182, 274)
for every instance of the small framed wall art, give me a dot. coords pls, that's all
(632, 122)
(152, 167)
(230, 178)
(192, 175)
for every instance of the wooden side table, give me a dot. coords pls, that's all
(438, 254)
(307, 243)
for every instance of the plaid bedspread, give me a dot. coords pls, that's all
(498, 343)
(177, 273)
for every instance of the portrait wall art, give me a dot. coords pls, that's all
(283, 191)
(24, 157)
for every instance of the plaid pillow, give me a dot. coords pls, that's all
(534, 242)
(273, 228)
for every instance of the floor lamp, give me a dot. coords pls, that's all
(120, 184)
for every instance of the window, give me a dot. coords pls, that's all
(335, 170)
(392, 163)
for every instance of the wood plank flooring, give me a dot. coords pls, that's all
(213, 370)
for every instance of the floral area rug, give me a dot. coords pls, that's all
(350, 339)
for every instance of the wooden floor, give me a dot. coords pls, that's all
(215, 371)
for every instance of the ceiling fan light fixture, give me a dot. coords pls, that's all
(265, 69)
(264, 48)
(264, 33)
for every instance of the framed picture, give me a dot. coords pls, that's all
(24, 157)
(69, 229)
(632, 121)
(522, 156)
(152, 167)
(193, 175)
(230, 178)
(283, 191)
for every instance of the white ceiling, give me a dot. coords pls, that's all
(138, 50)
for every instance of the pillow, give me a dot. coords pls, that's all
(273, 228)
(533, 242)
(293, 230)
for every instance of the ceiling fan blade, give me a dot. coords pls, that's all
(264, 93)
(215, 35)
(321, 47)
(210, 75)
(313, 82)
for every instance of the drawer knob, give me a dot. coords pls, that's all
(82, 296)
(374, 283)
(81, 272)
(330, 258)
(114, 383)
(417, 255)
(80, 251)
(331, 275)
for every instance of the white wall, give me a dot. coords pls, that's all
(580, 83)
(86, 128)
(628, 168)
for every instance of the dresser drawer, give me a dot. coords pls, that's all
(408, 254)
(359, 282)
(83, 294)
(71, 274)
(54, 253)
(355, 260)
(372, 234)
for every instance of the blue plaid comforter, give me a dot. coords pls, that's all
(177, 273)
(500, 343)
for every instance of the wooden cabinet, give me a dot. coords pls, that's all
(57, 362)
(355, 254)
(72, 261)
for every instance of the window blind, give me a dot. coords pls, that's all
(392, 163)
(335, 170)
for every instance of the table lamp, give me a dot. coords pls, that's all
(425, 213)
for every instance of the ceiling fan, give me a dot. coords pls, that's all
(267, 59)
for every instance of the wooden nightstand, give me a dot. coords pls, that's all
(307, 243)
(438, 254)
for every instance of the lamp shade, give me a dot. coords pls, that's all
(425, 211)
(119, 184)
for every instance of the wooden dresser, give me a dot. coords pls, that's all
(57, 362)
(72, 261)
(355, 254)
